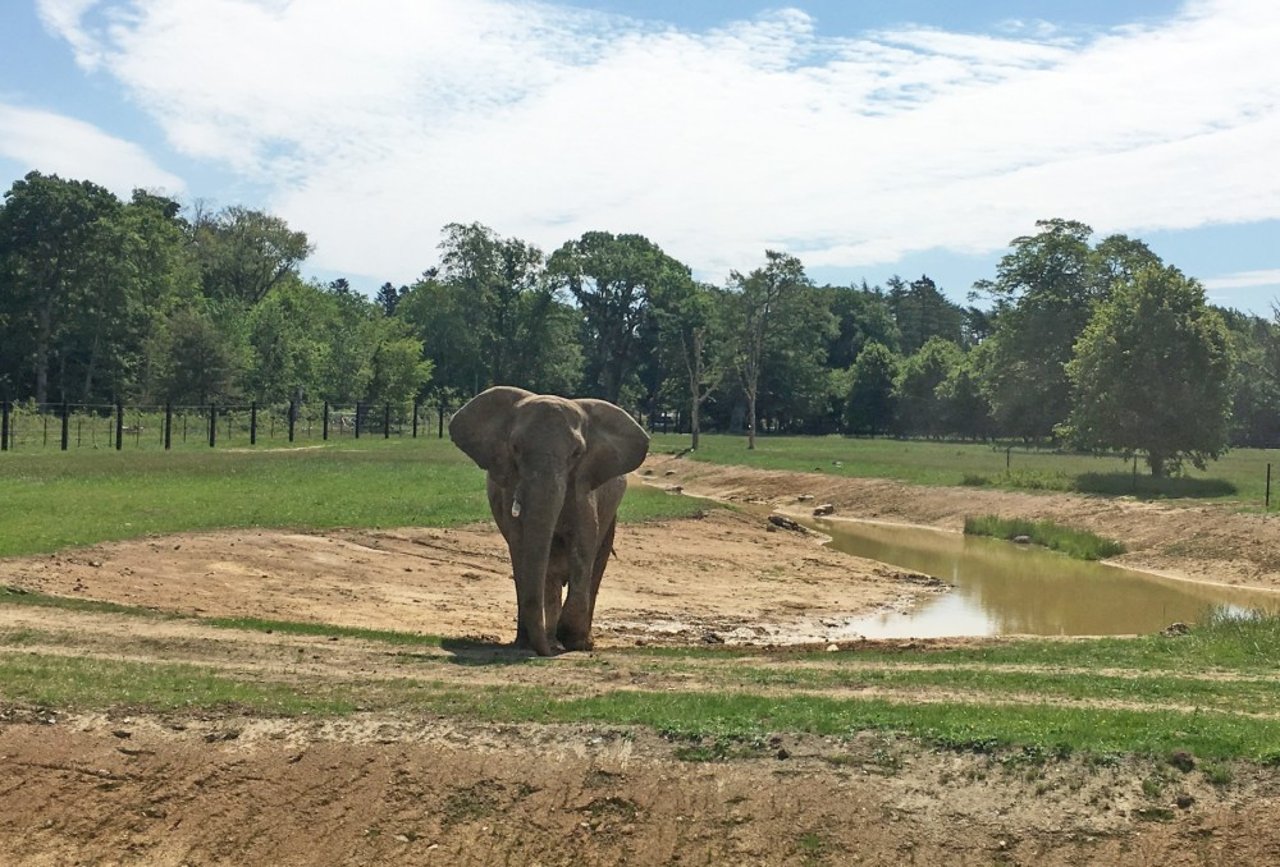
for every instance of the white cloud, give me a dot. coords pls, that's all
(57, 144)
(376, 123)
(1244, 280)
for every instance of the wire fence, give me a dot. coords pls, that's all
(68, 426)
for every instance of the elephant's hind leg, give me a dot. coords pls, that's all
(597, 570)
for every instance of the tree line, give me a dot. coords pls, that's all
(1096, 344)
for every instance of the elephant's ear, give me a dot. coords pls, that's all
(616, 445)
(480, 428)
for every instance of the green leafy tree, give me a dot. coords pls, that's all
(243, 254)
(1152, 373)
(49, 229)
(441, 317)
(688, 319)
(922, 312)
(756, 311)
(921, 410)
(1255, 411)
(193, 361)
(871, 404)
(613, 279)
(965, 410)
(1046, 289)
(288, 340)
(862, 317)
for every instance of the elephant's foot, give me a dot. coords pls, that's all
(574, 639)
(541, 648)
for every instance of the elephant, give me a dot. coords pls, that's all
(556, 475)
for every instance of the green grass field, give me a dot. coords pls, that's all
(54, 499)
(1240, 476)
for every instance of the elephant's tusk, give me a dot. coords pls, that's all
(515, 508)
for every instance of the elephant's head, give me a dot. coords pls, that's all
(544, 455)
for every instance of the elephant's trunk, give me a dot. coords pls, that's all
(540, 497)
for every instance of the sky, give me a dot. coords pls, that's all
(869, 138)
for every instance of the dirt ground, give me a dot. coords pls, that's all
(378, 788)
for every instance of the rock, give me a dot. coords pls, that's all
(824, 509)
(1175, 629)
(832, 648)
(785, 523)
(1022, 540)
(711, 638)
(1184, 802)
(804, 498)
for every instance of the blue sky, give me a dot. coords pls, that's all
(869, 138)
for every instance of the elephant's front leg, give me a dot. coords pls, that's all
(553, 588)
(574, 630)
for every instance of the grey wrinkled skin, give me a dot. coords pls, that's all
(556, 474)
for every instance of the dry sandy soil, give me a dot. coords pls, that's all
(376, 788)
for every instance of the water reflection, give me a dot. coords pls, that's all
(1002, 588)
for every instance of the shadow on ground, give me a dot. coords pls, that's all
(1147, 488)
(483, 651)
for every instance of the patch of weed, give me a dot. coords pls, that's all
(1080, 544)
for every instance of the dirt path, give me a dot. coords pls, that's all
(410, 788)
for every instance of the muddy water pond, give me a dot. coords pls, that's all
(1001, 588)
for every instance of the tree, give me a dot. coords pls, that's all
(916, 389)
(965, 410)
(612, 278)
(489, 315)
(862, 317)
(922, 313)
(193, 361)
(388, 298)
(1255, 345)
(686, 313)
(49, 230)
(754, 313)
(243, 253)
(1152, 373)
(871, 399)
(1046, 290)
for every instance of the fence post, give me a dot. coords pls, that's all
(415, 418)
(386, 421)
(4, 424)
(324, 427)
(293, 417)
(213, 425)
(253, 422)
(357, 419)
(440, 430)
(1267, 504)
(168, 426)
(119, 425)
(66, 421)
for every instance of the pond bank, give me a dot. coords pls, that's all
(1196, 541)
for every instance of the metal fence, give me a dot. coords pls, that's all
(67, 426)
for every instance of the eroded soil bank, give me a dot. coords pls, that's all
(1200, 541)
(181, 790)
